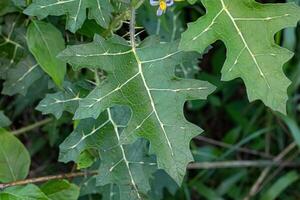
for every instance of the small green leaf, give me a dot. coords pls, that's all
(4, 121)
(60, 190)
(20, 3)
(45, 41)
(13, 46)
(21, 77)
(100, 10)
(86, 159)
(251, 54)
(6, 6)
(28, 192)
(35, 92)
(14, 158)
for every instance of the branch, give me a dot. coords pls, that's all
(229, 146)
(47, 178)
(132, 28)
(201, 165)
(241, 164)
(31, 127)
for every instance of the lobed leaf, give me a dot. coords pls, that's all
(100, 10)
(66, 100)
(247, 28)
(121, 165)
(144, 80)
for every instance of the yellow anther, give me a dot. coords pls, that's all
(162, 5)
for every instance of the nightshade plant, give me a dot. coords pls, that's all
(126, 92)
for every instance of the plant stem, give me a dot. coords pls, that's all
(31, 127)
(201, 165)
(240, 164)
(47, 178)
(132, 28)
(97, 79)
(115, 23)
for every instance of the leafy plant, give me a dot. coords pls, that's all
(118, 95)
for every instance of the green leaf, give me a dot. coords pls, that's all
(13, 46)
(66, 100)
(100, 10)
(14, 158)
(35, 92)
(17, 66)
(247, 28)
(4, 121)
(6, 6)
(45, 41)
(86, 159)
(20, 3)
(160, 182)
(144, 80)
(21, 77)
(60, 190)
(120, 164)
(29, 192)
(123, 164)
(280, 185)
(108, 192)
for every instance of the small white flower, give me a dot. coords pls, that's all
(162, 5)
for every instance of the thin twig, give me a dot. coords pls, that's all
(240, 149)
(47, 178)
(277, 171)
(201, 165)
(132, 28)
(255, 188)
(31, 127)
(241, 164)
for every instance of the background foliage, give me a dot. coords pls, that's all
(247, 150)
